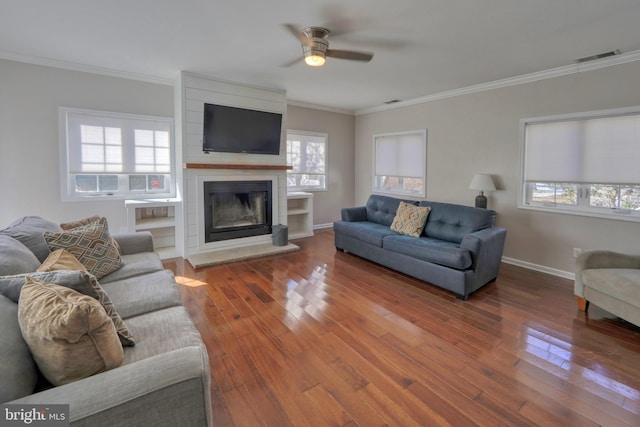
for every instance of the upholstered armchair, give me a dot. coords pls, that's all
(610, 280)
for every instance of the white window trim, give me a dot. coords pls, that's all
(66, 183)
(568, 209)
(326, 160)
(375, 190)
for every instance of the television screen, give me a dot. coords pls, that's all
(238, 130)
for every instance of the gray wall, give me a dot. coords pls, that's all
(478, 133)
(340, 128)
(29, 146)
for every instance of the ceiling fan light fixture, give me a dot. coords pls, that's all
(316, 59)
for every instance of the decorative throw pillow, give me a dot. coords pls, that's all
(79, 223)
(410, 219)
(86, 221)
(63, 260)
(69, 334)
(91, 244)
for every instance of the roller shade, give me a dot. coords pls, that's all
(403, 154)
(603, 150)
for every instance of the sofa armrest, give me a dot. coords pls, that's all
(169, 389)
(601, 259)
(486, 247)
(133, 243)
(358, 213)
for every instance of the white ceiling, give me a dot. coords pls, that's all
(422, 47)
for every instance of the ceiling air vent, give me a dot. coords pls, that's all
(598, 56)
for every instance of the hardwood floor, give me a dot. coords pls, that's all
(324, 338)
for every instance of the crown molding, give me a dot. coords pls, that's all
(511, 81)
(74, 66)
(303, 104)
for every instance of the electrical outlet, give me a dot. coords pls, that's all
(576, 252)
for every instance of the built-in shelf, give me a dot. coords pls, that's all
(300, 215)
(159, 218)
(229, 166)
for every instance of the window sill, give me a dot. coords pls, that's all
(634, 216)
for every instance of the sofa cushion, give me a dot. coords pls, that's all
(18, 372)
(160, 332)
(29, 231)
(69, 334)
(620, 283)
(15, 258)
(452, 223)
(410, 219)
(382, 209)
(91, 244)
(135, 265)
(365, 231)
(430, 250)
(142, 294)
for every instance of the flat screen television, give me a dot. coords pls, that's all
(239, 130)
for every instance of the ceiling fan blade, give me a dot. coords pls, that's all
(349, 54)
(292, 63)
(296, 32)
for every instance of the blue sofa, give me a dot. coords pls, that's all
(460, 248)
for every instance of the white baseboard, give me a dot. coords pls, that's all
(321, 226)
(541, 268)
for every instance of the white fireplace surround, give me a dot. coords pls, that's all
(232, 243)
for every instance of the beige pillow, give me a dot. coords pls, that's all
(63, 260)
(79, 223)
(91, 244)
(410, 219)
(70, 336)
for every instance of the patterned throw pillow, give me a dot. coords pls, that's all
(91, 245)
(410, 219)
(86, 221)
(69, 334)
(63, 260)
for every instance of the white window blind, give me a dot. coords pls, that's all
(400, 163)
(592, 150)
(401, 154)
(583, 164)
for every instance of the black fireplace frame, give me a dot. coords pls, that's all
(210, 187)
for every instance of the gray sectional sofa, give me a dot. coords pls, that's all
(164, 379)
(460, 248)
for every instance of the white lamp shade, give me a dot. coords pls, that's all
(482, 182)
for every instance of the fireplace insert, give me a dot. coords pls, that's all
(236, 209)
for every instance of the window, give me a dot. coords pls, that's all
(400, 163)
(584, 164)
(115, 155)
(306, 154)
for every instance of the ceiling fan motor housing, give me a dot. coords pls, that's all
(316, 43)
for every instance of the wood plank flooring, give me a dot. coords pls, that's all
(324, 338)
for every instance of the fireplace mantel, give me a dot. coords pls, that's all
(231, 166)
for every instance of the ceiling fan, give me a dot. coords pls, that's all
(315, 47)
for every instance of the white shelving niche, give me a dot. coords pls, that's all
(159, 218)
(300, 215)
